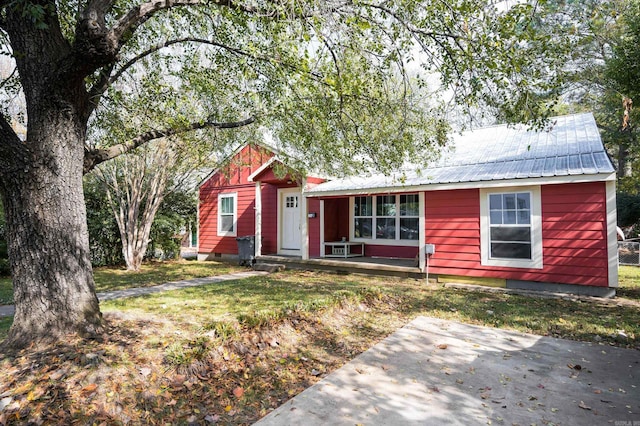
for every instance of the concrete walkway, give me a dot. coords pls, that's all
(8, 310)
(437, 372)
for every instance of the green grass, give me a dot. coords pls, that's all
(261, 300)
(153, 273)
(629, 282)
(5, 323)
(249, 299)
(6, 291)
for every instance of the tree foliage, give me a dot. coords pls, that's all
(604, 70)
(104, 236)
(346, 85)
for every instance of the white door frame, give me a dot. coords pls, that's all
(282, 193)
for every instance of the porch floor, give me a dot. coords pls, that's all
(361, 265)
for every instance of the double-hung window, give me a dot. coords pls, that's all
(363, 217)
(227, 214)
(511, 227)
(386, 217)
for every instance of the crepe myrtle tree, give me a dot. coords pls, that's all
(342, 82)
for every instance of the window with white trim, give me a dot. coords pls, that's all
(227, 214)
(511, 227)
(386, 217)
(363, 217)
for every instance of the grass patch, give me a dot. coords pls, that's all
(154, 273)
(6, 291)
(228, 353)
(251, 301)
(150, 274)
(629, 282)
(5, 323)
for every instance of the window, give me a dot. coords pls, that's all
(227, 215)
(510, 225)
(363, 217)
(386, 217)
(409, 217)
(511, 228)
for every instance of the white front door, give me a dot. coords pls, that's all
(290, 235)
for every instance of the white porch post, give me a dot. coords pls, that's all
(421, 232)
(258, 208)
(612, 235)
(304, 221)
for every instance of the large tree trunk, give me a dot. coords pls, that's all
(41, 186)
(47, 237)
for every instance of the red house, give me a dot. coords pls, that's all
(503, 207)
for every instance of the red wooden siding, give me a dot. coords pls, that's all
(574, 236)
(336, 219)
(208, 239)
(314, 226)
(231, 178)
(390, 251)
(269, 219)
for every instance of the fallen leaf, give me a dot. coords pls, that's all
(238, 392)
(227, 408)
(89, 389)
(145, 371)
(211, 419)
(178, 380)
(584, 406)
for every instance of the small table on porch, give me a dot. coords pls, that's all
(342, 249)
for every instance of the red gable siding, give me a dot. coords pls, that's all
(574, 236)
(314, 227)
(231, 178)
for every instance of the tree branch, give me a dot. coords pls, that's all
(106, 81)
(127, 25)
(95, 156)
(12, 151)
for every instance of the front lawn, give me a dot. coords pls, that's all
(228, 353)
(151, 273)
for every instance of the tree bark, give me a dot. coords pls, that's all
(47, 235)
(41, 187)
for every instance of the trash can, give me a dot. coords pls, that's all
(246, 250)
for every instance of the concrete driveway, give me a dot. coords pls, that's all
(436, 372)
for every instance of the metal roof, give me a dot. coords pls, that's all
(571, 147)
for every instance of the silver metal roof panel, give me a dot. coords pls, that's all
(571, 147)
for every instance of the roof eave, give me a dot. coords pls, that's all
(499, 183)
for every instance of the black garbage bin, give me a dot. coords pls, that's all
(246, 250)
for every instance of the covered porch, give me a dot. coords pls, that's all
(385, 229)
(384, 266)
